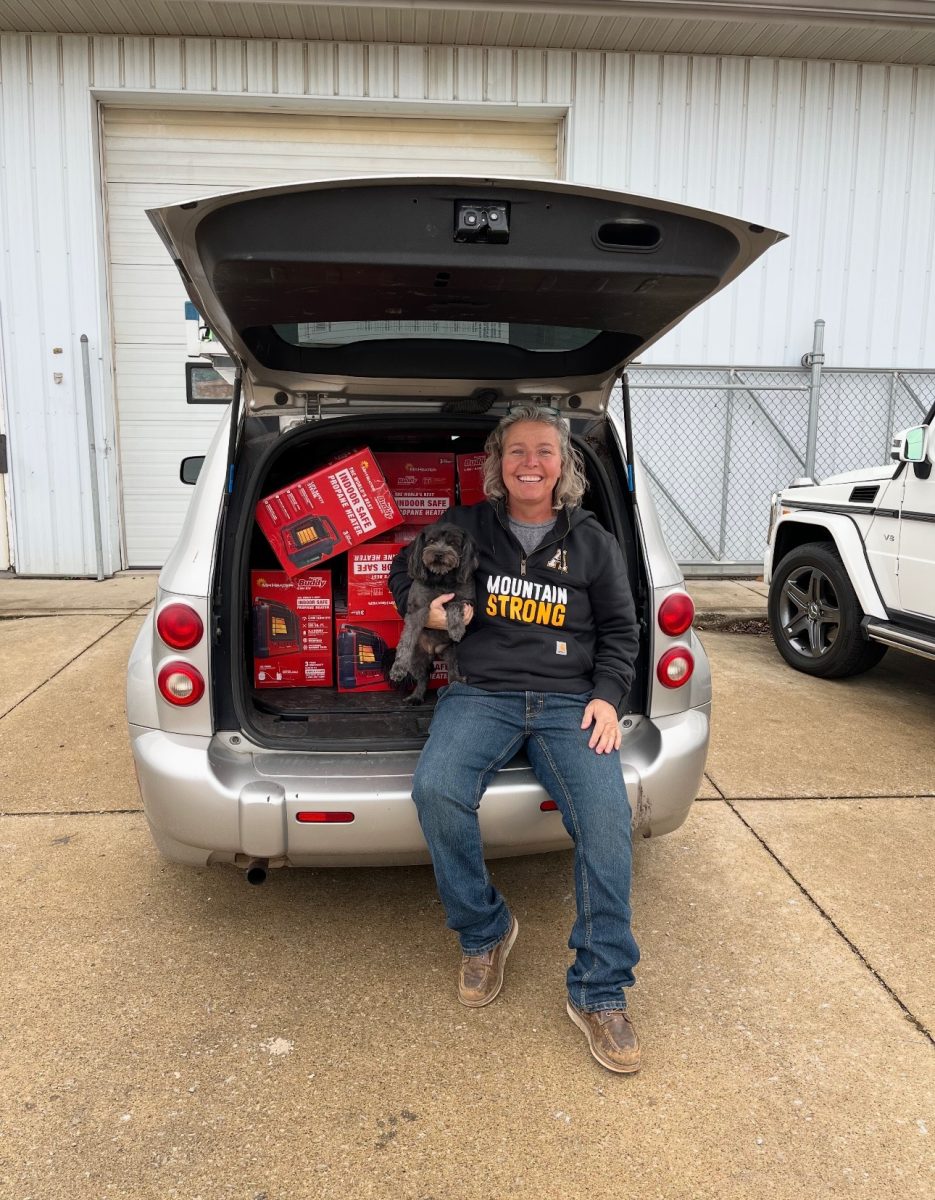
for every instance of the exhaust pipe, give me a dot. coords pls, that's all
(256, 871)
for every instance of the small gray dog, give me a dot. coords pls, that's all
(442, 559)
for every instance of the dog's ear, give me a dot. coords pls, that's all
(415, 563)
(467, 564)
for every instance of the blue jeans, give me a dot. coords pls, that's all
(473, 734)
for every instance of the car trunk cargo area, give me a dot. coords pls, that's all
(322, 717)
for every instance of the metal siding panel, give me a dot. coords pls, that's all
(382, 83)
(837, 250)
(46, 476)
(167, 64)
(106, 59)
(229, 69)
(199, 64)
(258, 67)
(559, 68)
(469, 73)
(136, 56)
(500, 78)
(614, 169)
(321, 70)
(440, 73)
(412, 82)
(350, 71)
(530, 76)
(584, 120)
(674, 100)
(912, 335)
(859, 291)
(290, 68)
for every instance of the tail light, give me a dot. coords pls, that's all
(181, 684)
(675, 667)
(179, 626)
(676, 614)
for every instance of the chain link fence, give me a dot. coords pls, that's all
(715, 442)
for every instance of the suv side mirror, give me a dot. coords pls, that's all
(190, 468)
(911, 445)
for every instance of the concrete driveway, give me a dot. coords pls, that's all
(168, 1032)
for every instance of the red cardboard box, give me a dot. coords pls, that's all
(361, 646)
(292, 629)
(368, 569)
(471, 478)
(423, 485)
(324, 514)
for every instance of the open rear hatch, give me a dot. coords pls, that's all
(414, 311)
(446, 284)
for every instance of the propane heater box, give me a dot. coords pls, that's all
(368, 570)
(470, 478)
(338, 506)
(423, 485)
(292, 629)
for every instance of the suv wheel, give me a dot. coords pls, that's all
(815, 617)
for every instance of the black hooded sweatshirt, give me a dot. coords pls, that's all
(560, 619)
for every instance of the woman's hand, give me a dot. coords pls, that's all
(437, 618)
(606, 734)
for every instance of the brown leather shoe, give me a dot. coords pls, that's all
(481, 976)
(611, 1036)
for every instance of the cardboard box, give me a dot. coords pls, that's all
(368, 569)
(423, 485)
(360, 649)
(470, 478)
(292, 629)
(325, 513)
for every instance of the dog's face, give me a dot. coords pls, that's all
(440, 550)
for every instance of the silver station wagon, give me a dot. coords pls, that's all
(405, 314)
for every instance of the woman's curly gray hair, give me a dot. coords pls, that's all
(571, 483)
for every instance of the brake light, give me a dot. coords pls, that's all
(181, 684)
(676, 614)
(675, 667)
(324, 818)
(549, 806)
(179, 626)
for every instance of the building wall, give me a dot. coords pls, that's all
(841, 156)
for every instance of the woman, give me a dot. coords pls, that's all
(548, 660)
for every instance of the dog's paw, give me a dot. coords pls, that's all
(415, 698)
(398, 672)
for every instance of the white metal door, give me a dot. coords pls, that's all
(162, 157)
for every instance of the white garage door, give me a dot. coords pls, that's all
(154, 158)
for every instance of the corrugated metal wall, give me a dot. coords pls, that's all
(842, 156)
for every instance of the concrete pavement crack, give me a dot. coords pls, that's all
(907, 1012)
(38, 688)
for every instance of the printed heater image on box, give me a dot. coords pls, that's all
(309, 539)
(275, 629)
(360, 657)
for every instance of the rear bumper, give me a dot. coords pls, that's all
(209, 802)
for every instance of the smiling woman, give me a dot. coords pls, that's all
(547, 678)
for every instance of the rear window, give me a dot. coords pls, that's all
(543, 338)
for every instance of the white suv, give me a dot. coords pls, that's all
(850, 563)
(406, 314)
